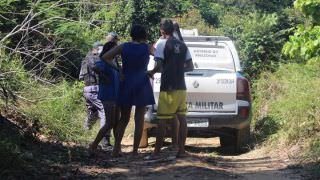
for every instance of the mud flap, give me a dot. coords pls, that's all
(236, 139)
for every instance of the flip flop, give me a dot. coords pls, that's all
(152, 157)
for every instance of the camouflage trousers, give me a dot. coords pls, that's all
(95, 108)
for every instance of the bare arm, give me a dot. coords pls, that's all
(110, 55)
(151, 49)
(157, 68)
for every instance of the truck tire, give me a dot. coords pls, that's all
(235, 139)
(243, 139)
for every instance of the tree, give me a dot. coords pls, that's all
(51, 37)
(305, 43)
(145, 12)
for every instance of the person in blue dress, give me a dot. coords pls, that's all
(135, 87)
(109, 81)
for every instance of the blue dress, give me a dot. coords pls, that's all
(109, 81)
(136, 89)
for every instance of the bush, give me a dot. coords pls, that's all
(60, 109)
(289, 99)
(13, 77)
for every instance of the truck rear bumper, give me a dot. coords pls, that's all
(214, 121)
(207, 124)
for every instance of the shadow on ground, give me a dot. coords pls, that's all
(25, 157)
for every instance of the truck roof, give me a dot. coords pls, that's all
(205, 38)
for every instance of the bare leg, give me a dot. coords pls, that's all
(124, 119)
(183, 130)
(110, 116)
(160, 136)
(100, 135)
(175, 132)
(116, 120)
(138, 121)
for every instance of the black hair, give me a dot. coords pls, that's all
(167, 26)
(138, 33)
(107, 46)
(177, 29)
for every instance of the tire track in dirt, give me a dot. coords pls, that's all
(206, 161)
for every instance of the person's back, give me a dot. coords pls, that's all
(135, 88)
(91, 88)
(135, 57)
(174, 57)
(87, 74)
(108, 82)
(173, 65)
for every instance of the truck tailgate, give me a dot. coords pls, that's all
(207, 91)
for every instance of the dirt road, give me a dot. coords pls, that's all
(206, 161)
(44, 159)
(41, 158)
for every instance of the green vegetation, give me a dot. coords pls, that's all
(286, 106)
(43, 42)
(305, 43)
(60, 110)
(286, 103)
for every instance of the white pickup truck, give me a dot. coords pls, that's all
(218, 95)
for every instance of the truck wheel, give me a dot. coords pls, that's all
(228, 138)
(242, 139)
(236, 139)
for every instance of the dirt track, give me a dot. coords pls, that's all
(56, 160)
(206, 161)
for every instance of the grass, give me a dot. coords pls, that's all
(60, 109)
(287, 107)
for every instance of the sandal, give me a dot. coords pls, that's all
(152, 157)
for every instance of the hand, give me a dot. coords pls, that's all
(150, 74)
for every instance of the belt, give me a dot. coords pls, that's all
(90, 83)
(88, 89)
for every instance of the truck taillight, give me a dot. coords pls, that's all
(244, 112)
(243, 89)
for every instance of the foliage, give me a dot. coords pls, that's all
(289, 100)
(210, 12)
(13, 77)
(259, 29)
(51, 37)
(259, 43)
(272, 6)
(309, 8)
(193, 19)
(305, 43)
(60, 109)
(147, 13)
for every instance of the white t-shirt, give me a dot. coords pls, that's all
(159, 50)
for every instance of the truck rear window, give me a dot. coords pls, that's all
(211, 56)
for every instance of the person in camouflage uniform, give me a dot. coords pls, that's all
(94, 105)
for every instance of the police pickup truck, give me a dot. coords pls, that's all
(218, 95)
